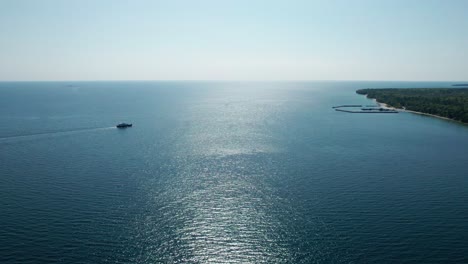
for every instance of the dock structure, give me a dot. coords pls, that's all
(368, 109)
(387, 111)
(340, 106)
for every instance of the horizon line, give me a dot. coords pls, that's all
(228, 80)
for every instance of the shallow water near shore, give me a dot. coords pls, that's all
(226, 172)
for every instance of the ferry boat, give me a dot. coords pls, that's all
(123, 125)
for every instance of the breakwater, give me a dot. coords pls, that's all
(377, 111)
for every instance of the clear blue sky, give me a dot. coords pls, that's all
(233, 40)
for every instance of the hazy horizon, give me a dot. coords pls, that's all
(239, 80)
(119, 40)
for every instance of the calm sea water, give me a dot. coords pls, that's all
(226, 172)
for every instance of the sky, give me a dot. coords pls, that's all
(413, 40)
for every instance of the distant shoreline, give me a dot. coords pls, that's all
(444, 103)
(384, 105)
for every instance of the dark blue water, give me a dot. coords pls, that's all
(218, 172)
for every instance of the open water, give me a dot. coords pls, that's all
(226, 172)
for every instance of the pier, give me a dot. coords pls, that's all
(368, 109)
(347, 106)
(376, 111)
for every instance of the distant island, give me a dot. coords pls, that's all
(450, 103)
(460, 84)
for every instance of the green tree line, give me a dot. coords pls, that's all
(447, 102)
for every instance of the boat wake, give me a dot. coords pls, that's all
(46, 134)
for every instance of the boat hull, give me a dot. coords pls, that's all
(123, 125)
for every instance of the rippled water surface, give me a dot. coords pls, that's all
(226, 172)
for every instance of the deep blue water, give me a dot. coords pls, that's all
(226, 172)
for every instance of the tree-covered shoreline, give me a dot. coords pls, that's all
(445, 102)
